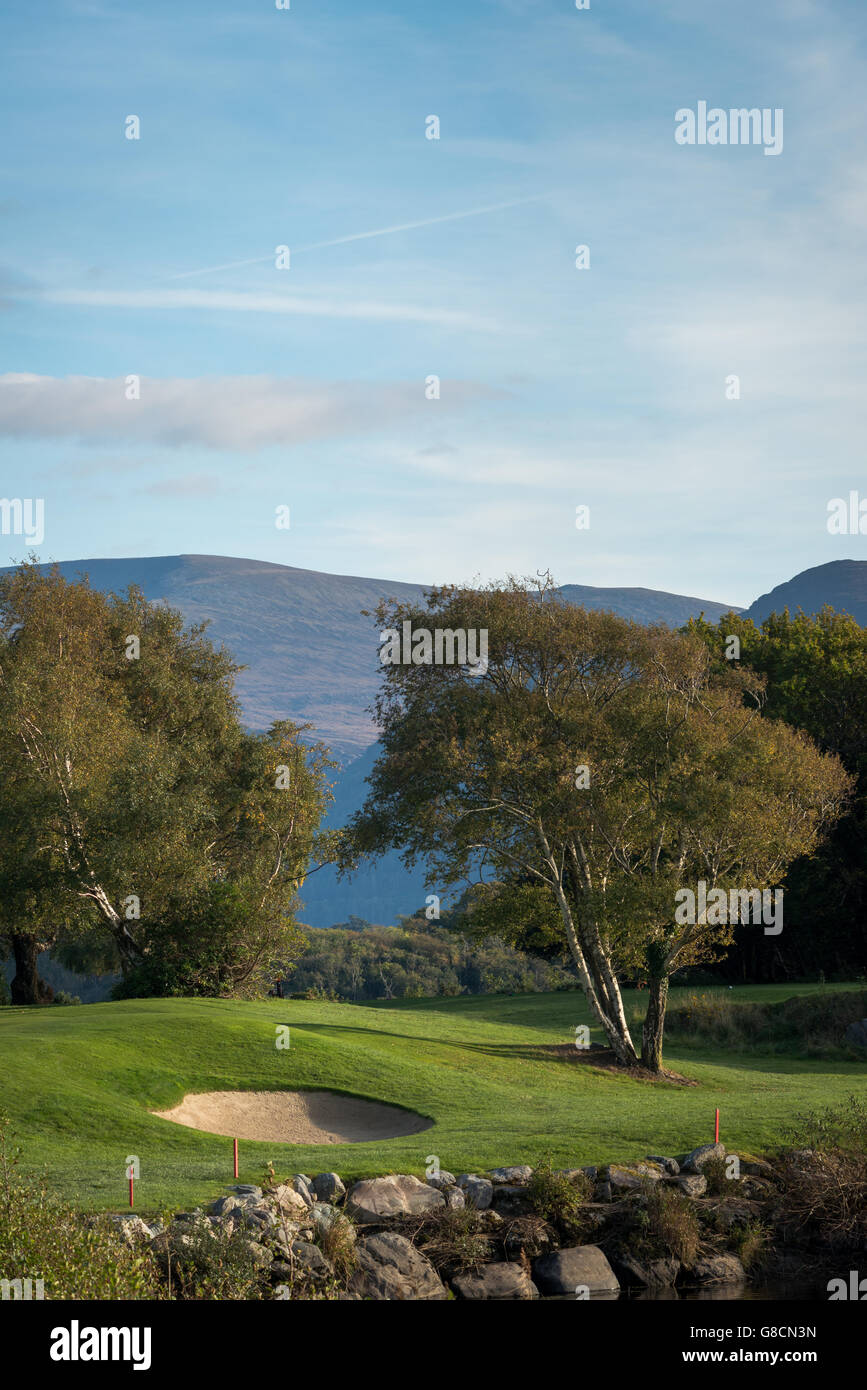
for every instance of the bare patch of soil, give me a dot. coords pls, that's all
(294, 1117)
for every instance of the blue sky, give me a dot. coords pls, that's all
(305, 388)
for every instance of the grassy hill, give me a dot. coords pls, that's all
(77, 1085)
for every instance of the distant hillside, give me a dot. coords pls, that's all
(310, 654)
(841, 583)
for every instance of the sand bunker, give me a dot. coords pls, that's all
(294, 1117)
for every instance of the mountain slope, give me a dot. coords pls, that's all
(841, 583)
(309, 652)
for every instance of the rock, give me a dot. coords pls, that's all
(389, 1267)
(247, 1189)
(477, 1191)
(591, 1172)
(496, 1281)
(131, 1228)
(579, 1266)
(634, 1178)
(646, 1274)
(527, 1236)
(376, 1199)
(261, 1256)
(757, 1168)
(758, 1188)
(454, 1198)
(604, 1192)
(303, 1189)
(257, 1219)
(328, 1187)
(520, 1173)
(442, 1180)
(690, 1184)
(732, 1212)
(694, 1162)
(717, 1269)
(288, 1201)
(311, 1260)
(511, 1200)
(223, 1206)
(669, 1165)
(856, 1033)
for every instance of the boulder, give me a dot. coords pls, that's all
(579, 1266)
(454, 1198)
(520, 1173)
(390, 1267)
(311, 1261)
(668, 1165)
(442, 1180)
(301, 1185)
(328, 1187)
(636, 1177)
(717, 1269)
(646, 1274)
(288, 1201)
(224, 1205)
(496, 1281)
(694, 1162)
(261, 1256)
(477, 1191)
(690, 1184)
(377, 1199)
(247, 1189)
(131, 1227)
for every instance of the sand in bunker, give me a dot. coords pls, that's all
(294, 1117)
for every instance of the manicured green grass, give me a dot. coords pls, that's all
(78, 1083)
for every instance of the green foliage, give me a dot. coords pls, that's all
(809, 1026)
(135, 806)
(669, 1225)
(559, 1199)
(42, 1237)
(842, 1126)
(413, 961)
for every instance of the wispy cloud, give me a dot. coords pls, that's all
(238, 412)
(225, 301)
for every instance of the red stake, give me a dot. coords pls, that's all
(716, 1129)
(235, 1147)
(131, 1181)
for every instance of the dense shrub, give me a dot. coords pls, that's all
(810, 1025)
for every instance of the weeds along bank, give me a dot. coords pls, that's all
(707, 1220)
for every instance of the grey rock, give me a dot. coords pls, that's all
(579, 1266)
(261, 1256)
(668, 1165)
(690, 1184)
(300, 1185)
(498, 1281)
(288, 1201)
(311, 1260)
(390, 1267)
(328, 1187)
(455, 1198)
(477, 1191)
(717, 1269)
(647, 1274)
(635, 1178)
(247, 1189)
(520, 1173)
(694, 1162)
(376, 1199)
(442, 1180)
(224, 1205)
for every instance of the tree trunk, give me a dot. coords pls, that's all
(26, 987)
(654, 1023)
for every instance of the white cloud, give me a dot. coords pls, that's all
(233, 302)
(238, 412)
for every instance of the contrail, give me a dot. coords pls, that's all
(364, 236)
